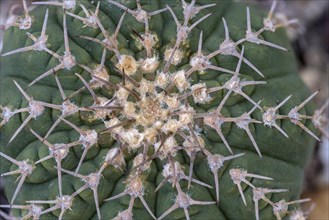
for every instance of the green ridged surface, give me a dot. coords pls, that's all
(283, 158)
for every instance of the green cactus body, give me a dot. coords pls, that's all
(142, 108)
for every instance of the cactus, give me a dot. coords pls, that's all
(153, 109)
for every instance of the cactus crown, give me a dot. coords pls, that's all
(162, 125)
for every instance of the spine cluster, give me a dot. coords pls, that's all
(153, 118)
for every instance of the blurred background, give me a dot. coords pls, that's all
(310, 39)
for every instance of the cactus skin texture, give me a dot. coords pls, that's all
(276, 170)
